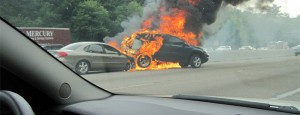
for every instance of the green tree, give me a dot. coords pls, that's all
(58, 13)
(90, 21)
(20, 12)
(121, 11)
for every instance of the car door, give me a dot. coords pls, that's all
(96, 54)
(113, 58)
(180, 49)
(173, 49)
(164, 53)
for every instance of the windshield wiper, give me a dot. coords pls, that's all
(265, 106)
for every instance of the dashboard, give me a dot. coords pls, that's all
(138, 105)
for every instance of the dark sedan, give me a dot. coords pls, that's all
(173, 49)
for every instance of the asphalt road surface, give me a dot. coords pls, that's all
(270, 78)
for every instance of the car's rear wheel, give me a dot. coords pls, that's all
(144, 61)
(195, 61)
(82, 67)
(183, 65)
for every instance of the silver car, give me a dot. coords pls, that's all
(297, 50)
(83, 57)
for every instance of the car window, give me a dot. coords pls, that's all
(175, 40)
(172, 39)
(95, 49)
(136, 44)
(86, 48)
(56, 47)
(110, 50)
(53, 47)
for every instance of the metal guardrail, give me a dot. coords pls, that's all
(215, 56)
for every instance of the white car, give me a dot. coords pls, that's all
(247, 48)
(297, 50)
(263, 48)
(224, 48)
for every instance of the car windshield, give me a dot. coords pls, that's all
(72, 46)
(52, 47)
(156, 46)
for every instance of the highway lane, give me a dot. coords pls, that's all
(269, 78)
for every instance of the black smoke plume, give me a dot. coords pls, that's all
(199, 12)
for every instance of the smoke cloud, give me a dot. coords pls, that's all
(199, 12)
(133, 24)
(206, 16)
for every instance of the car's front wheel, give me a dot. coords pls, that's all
(195, 61)
(144, 61)
(82, 67)
(129, 65)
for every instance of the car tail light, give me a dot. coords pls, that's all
(62, 54)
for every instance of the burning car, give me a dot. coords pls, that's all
(148, 41)
(154, 49)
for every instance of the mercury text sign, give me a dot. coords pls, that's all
(48, 35)
(40, 35)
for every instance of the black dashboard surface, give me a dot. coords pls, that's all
(138, 105)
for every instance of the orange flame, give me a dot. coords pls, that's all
(173, 24)
(150, 48)
(158, 65)
(113, 44)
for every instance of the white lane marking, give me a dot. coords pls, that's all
(137, 85)
(287, 94)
